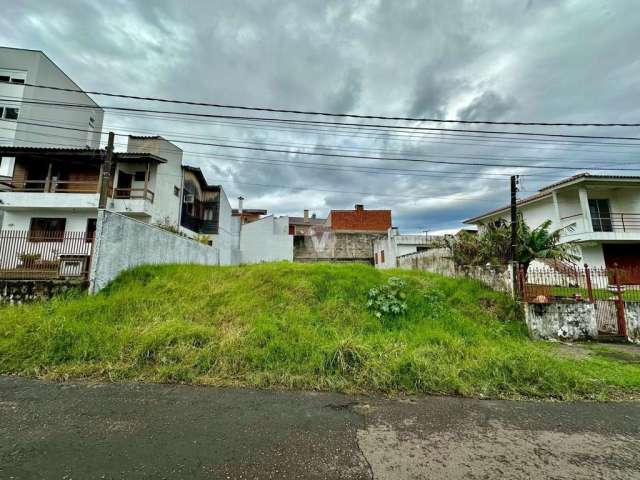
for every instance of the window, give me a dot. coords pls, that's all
(92, 122)
(17, 80)
(11, 113)
(4, 78)
(381, 256)
(47, 229)
(1, 112)
(375, 258)
(208, 214)
(600, 215)
(91, 229)
(140, 176)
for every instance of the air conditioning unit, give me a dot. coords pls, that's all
(189, 198)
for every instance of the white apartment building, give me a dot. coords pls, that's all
(23, 105)
(602, 213)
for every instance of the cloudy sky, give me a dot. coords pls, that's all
(516, 60)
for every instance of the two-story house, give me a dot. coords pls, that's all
(599, 213)
(53, 195)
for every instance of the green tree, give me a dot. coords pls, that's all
(493, 245)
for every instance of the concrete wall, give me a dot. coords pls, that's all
(266, 240)
(122, 243)
(16, 292)
(227, 239)
(438, 260)
(336, 246)
(632, 317)
(561, 321)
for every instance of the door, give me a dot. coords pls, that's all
(627, 258)
(600, 214)
(123, 189)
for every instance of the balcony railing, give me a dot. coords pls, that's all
(134, 193)
(77, 186)
(616, 222)
(60, 186)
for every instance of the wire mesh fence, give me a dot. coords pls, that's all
(32, 255)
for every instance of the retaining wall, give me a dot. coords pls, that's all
(561, 321)
(335, 246)
(438, 260)
(123, 242)
(15, 292)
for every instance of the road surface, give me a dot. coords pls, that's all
(135, 431)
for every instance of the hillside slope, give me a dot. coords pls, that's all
(298, 326)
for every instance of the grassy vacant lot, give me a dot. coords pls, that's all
(299, 326)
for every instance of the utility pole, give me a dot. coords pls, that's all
(106, 173)
(514, 233)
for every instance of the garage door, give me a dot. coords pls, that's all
(627, 256)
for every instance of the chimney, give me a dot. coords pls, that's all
(313, 215)
(240, 199)
(359, 207)
(306, 216)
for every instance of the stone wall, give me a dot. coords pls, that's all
(438, 260)
(123, 242)
(335, 246)
(632, 316)
(561, 321)
(15, 292)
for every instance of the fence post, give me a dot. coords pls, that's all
(622, 324)
(587, 276)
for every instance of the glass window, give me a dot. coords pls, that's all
(600, 215)
(11, 113)
(4, 78)
(47, 229)
(139, 176)
(17, 80)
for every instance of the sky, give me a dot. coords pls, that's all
(516, 60)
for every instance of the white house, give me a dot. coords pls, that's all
(601, 213)
(387, 250)
(54, 193)
(22, 106)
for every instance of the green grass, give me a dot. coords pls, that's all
(299, 326)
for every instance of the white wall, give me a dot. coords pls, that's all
(266, 240)
(21, 219)
(592, 255)
(122, 242)
(228, 237)
(42, 71)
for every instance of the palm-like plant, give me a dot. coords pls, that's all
(542, 243)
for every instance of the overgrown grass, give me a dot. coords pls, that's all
(299, 326)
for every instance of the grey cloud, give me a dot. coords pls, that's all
(489, 105)
(540, 60)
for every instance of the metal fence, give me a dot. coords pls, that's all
(607, 288)
(572, 282)
(33, 255)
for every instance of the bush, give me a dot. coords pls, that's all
(388, 300)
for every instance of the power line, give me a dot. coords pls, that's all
(360, 131)
(327, 114)
(362, 157)
(343, 124)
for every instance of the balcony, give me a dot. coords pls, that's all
(609, 227)
(616, 222)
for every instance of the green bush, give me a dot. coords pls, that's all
(388, 300)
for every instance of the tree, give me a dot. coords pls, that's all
(542, 243)
(493, 245)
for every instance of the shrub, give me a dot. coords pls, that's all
(29, 259)
(388, 300)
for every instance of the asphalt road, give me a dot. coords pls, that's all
(133, 431)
